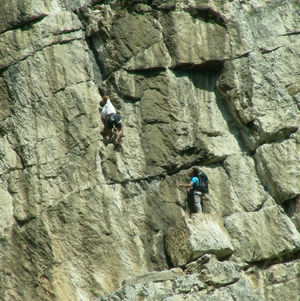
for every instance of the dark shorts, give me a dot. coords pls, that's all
(114, 120)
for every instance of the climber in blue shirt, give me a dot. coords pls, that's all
(196, 188)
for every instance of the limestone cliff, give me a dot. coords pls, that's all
(199, 82)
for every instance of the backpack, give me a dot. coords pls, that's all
(114, 119)
(203, 179)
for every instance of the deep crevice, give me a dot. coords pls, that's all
(25, 24)
(292, 33)
(260, 206)
(243, 55)
(147, 73)
(100, 64)
(281, 259)
(167, 256)
(208, 15)
(170, 170)
(23, 222)
(140, 71)
(265, 50)
(208, 66)
(292, 206)
(137, 180)
(278, 137)
(154, 121)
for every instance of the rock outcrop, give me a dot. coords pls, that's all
(210, 83)
(205, 235)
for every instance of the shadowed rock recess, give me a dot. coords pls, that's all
(211, 83)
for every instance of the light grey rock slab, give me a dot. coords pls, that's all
(262, 235)
(57, 28)
(278, 167)
(204, 234)
(209, 43)
(6, 214)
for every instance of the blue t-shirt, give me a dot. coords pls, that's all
(195, 182)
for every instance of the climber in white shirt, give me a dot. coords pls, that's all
(111, 119)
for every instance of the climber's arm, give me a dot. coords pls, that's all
(185, 185)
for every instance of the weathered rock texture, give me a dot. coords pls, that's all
(205, 235)
(213, 83)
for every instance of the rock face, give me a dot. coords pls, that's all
(206, 235)
(277, 234)
(210, 83)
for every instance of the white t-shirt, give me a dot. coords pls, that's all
(108, 109)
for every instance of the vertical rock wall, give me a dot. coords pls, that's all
(212, 83)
